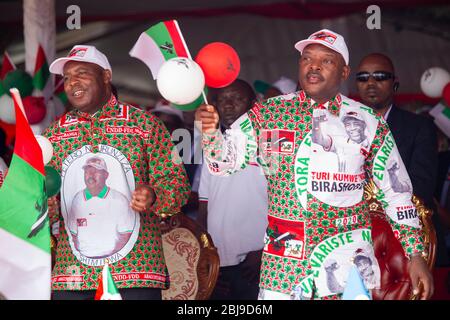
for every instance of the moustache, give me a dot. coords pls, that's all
(314, 73)
(91, 180)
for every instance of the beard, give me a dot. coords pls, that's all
(377, 106)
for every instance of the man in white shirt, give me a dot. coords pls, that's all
(345, 148)
(234, 209)
(100, 219)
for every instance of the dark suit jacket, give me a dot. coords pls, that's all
(416, 140)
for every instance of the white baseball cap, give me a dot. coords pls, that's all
(329, 39)
(81, 53)
(285, 85)
(352, 115)
(97, 163)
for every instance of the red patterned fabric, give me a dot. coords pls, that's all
(318, 218)
(140, 142)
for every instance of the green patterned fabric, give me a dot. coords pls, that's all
(138, 140)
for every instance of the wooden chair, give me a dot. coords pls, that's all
(395, 280)
(191, 258)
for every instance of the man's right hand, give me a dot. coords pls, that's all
(207, 118)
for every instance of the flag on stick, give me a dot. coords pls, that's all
(41, 71)
(159, 43)
(25, 261)
(59, 89)
(7, 66)
(355, 288)
(107, 289)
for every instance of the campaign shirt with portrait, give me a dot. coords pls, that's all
(317, 158)
(134, 148)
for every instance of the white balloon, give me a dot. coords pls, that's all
(180, 80)
(433, 81)
(46, 147)
(38, 128)
(7, 113)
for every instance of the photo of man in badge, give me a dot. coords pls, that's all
(346, 148)
(394, 178)
(355, 127)
(100, 219)
(364, 265)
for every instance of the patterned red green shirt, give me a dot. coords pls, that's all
(134, 148)
(317, 160)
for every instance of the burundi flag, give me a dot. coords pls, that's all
(7, 66)
(41, 71)
(441, 115)
(25, 263)
(107, 289)
(59, 89)
(159, 43)
(355, 288)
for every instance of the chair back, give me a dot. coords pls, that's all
(191, 258)
(395, 281)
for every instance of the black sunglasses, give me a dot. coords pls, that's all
(377, 75)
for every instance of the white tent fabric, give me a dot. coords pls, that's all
(266, 48)
(265, 45)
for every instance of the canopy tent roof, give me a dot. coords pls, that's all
(262, 32)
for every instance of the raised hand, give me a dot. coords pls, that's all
(207, 119)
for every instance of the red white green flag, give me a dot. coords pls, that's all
(441, 115)
(107, 289)
(159, 43)
(25, 261)
(7, 66)
(41, 71)
(59, 89)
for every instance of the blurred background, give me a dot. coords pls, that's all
(415, 34)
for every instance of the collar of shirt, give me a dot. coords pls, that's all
(386, 115)
(333, 105)
(106, 111)
(101, 195)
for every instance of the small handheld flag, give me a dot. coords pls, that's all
(7, 66)
(107, 289)
(159, 43)
(24, 229)
(355, 288)
(41, 73)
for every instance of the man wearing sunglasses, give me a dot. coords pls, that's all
(414, 135)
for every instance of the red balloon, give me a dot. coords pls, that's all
(446, 94)
(220, 64)
(34, 109)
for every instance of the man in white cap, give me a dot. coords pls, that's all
(100, 219)
(139, 149)
(345, 147)
(321, 208)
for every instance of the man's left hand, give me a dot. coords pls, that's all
(143, 198)
(419, 273)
